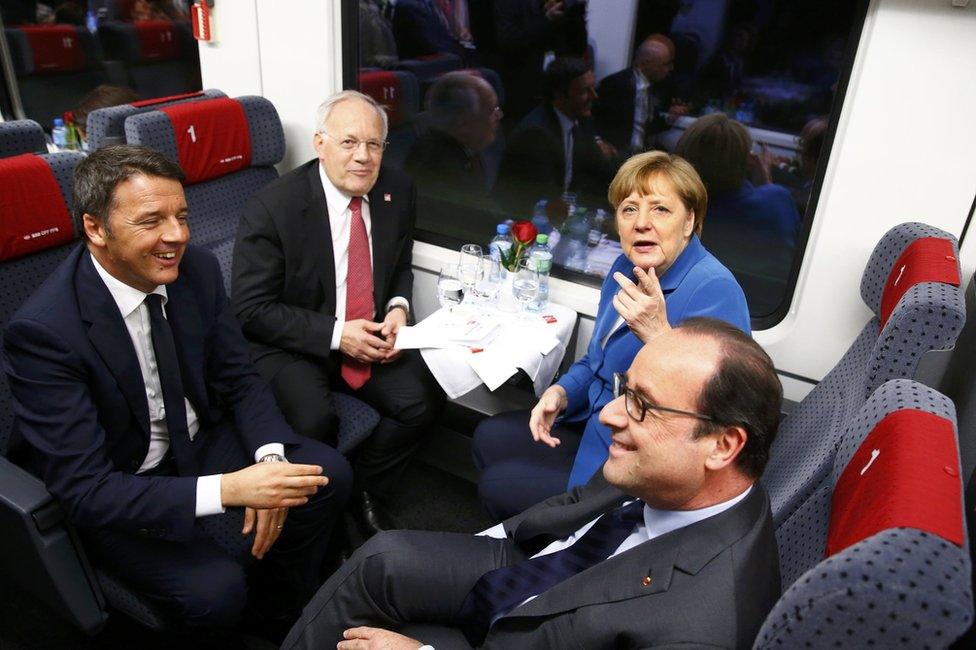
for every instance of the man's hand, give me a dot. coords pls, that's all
(554, 9)
(395, 319)
(677, 109)
(374, 638)
(606, 149)
(642, 305)
(543, 415)
(760, 166)
(271, 485)
(360, 342)
(268, 529)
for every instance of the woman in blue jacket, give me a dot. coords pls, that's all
(664, 276)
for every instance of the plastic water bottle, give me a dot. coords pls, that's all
(577, 234)
(59, 134)
(540, 219)
(500, 247)
(541, 258)
(91, 21)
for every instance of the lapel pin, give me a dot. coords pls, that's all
(387, 198)
(646, 581)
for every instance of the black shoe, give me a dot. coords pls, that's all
(371, 516)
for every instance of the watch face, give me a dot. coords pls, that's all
(271, 458)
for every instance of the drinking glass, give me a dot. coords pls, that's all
(450, 290)
(525, 285)
(470, 265)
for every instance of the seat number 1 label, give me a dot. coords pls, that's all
(193, 133)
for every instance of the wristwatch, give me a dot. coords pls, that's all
(272, 458)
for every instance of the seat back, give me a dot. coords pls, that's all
(56, 65)
(399, 93)
(897, 571)
(106, 126)
(911, 284)
(227, 149)
(160, 56)
(21, 136)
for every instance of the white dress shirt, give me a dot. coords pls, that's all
(566, 125)
(132, 305)
(340, 223)
(642, 106)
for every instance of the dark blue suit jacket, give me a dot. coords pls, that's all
(614, 110)
(80, 398)
(696, 284)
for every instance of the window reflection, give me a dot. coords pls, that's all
(75, 56)
(744, 90)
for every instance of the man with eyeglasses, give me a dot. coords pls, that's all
(671, 545)
(322, 282)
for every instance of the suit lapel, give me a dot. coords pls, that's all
(184, 320)
(383, 232)
(318, 234)
(109, 336)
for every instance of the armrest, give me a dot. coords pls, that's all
(25, 494)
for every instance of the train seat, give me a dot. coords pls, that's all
(56, 65)
(399, 93)
(106, 126)
(160, 57)
(20, 137)
(897, 569)
(911, 284)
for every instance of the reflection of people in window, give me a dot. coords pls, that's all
(425, 27)
(627, 112)
(462, 118)
(554, 148)
(799, 178)
(751, 227)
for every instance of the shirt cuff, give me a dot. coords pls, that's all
(398, 301)
(208, 496)
(270, 448)
(337, 334)
(495, 532)
(426, 647)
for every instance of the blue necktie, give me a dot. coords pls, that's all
(168, 366)
(500, 590)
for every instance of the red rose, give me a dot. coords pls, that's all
(524, 232)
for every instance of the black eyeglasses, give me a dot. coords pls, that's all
(637, 407)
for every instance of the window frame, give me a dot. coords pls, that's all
(350, 73)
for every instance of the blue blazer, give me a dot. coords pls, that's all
(80, 399)
(696, 285)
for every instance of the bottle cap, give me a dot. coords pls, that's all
(541, 239)
(58, 121)
(502, 229)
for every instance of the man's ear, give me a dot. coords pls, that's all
(729, 442)
(94, 230)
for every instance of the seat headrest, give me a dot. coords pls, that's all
(398, 92)
(48, 49)
(907, 255)
(34, 212)
(212, 137)
(149, 41)
(902, 468)
(107, 125)
(21, 136)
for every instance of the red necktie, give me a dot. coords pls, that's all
(359, 289)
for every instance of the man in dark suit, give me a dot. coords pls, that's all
(628, 113)
(147, 420)
(672, 545)
(554, 149)
(426, 27)
(322, 283)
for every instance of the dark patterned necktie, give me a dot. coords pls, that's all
(168, 367)
(500, 590)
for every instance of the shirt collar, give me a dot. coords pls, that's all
(565, 123)
(661, 522)
(336, 200)
(640, 79)
(126, 298)
(690, 256)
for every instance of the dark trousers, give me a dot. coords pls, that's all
(204, 583)
(516, 471)
(404, 393)
(413, 582)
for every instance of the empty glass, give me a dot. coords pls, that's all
(525, 285)
(470, 265)
(450, 290)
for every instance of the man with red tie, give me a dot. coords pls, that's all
(322, 282)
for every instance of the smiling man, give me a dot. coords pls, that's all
(147, 421)
(671, 546)
(322, 283)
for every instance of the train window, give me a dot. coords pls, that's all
(66, 59)
(486, 98)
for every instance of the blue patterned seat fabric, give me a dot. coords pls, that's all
(21, 136)
(901, 587)
(928, 317)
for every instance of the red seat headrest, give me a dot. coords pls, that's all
(56, 48)
(929, 259)
(212, 137)
(33, 214)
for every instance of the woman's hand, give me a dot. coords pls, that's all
(642, 305)
(543, 415)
